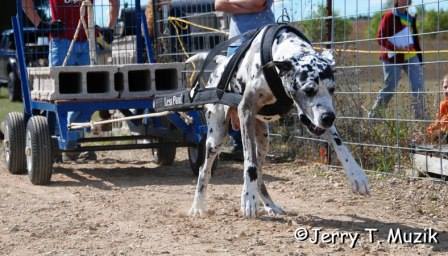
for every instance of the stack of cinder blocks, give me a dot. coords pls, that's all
(104, 82)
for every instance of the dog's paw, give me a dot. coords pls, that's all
(359, 182)
(249, 204)
(274, 210)
(198, 209)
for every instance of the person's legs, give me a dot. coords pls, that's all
(415, 73)
(235, 134)
(81, 53)
(57, 53)
(391, 79)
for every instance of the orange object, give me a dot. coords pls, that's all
(441, 124)
(323, 154)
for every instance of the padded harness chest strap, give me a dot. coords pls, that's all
(283, 103)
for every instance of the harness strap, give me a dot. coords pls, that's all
(216, 51)
(236, 59)
(283, 103)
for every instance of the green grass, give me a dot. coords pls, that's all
(7, 106)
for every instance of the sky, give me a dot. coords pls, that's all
(301, 9)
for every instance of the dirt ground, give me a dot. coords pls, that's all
(125, 205)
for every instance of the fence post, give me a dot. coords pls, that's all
(329, 21)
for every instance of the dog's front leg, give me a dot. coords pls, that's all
(354, 172)
(249, 195)
(270, 207)
(217, 129)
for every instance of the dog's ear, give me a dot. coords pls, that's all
(284, 66)
(328, 56)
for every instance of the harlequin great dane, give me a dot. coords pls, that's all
(307, 79)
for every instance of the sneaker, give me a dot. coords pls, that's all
(235, 154)
(79, 156)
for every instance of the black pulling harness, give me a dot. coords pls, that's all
(222, 94)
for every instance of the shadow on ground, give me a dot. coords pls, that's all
(136, 173)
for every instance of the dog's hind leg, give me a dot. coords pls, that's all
(217, 129)
(262, 149)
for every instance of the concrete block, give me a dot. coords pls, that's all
(146, 80)
(73, 82)
(168, 77)
(105, 81)
(124, 50)
(136, 81)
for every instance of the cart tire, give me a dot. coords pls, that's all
(196, 157)
(14, 143)
(14, 89)
(38, 150)
(164, 155)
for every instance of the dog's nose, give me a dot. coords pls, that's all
(327, 119)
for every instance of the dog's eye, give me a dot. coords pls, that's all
(309, 91)
(331, 90)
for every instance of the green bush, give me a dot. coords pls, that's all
(427, 21)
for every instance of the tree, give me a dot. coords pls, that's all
(434, 21)
(316, 30)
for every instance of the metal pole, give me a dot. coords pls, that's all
(138, 32)
(91, 32)
(329, 21)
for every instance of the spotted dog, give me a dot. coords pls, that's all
(307, 78)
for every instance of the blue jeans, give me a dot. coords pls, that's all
(79, 56)
(59, 48)
(392, 75)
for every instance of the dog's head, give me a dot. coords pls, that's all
(309, 80)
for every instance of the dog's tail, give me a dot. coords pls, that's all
(197, 60)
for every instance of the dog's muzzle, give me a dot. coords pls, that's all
(311, 127)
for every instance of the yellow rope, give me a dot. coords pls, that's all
(177, 23)
(187, 22)
(379, 52)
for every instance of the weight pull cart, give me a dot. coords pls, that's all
(36, 137)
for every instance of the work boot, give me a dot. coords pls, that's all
(377, 111)
(105, 115)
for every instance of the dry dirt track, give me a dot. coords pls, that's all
(124, 205)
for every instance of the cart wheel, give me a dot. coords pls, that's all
(14, 89)
(164, 155)
(196, 157)
(38, 150)
(14, 143)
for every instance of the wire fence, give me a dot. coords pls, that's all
(392, 141)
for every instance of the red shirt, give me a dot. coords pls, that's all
(68, 12)
(389, 26)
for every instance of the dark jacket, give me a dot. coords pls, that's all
(389, 26)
